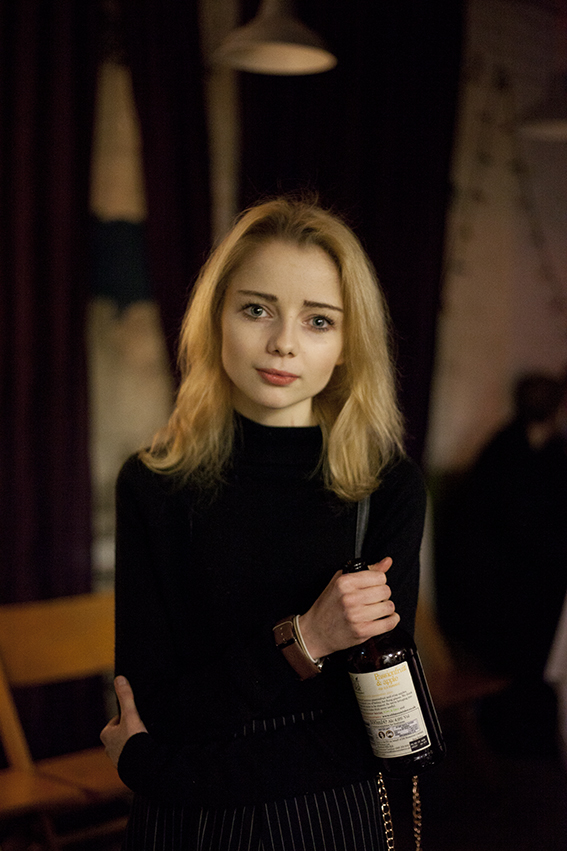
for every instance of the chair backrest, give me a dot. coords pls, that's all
(47, 642)
(56, 640)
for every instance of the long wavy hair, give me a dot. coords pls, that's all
(357, 411)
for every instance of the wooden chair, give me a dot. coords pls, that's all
(48, 642)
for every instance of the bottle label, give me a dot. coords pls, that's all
(391, 711)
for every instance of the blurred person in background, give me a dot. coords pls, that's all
(501, 563)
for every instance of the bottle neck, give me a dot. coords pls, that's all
(355, 565)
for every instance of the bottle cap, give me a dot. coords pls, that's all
(355, 565)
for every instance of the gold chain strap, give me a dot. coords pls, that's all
(387, 815)
(416, 809)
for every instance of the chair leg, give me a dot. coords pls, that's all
(48, 831)
(34, 833)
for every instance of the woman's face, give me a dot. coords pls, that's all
(282, 332)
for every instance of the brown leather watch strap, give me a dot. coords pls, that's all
(286, 640)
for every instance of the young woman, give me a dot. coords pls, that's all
(232, 530)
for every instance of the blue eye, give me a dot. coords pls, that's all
(254, 311)
(321, 323)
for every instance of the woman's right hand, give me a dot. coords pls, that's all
(121, 727)
(352, 608)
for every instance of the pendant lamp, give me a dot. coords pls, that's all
(275, 42)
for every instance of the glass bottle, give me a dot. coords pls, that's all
(394, 699)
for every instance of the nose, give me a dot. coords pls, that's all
(283, 340)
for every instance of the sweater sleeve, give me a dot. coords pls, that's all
(395, 529)
(146, 650)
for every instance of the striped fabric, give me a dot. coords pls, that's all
(267, 725)
(345, 819)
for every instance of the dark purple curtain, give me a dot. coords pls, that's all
(47, 80)
(163, 50)
(47, 89)
(373, 137)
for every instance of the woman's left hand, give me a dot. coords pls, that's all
(120, 728)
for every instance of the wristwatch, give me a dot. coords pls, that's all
(288, 642)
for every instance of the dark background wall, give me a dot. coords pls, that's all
(374, 138)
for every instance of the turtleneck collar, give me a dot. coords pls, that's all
(277, 445)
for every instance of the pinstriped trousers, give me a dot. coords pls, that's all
(345, 819)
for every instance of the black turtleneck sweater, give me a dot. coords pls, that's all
(199, 585)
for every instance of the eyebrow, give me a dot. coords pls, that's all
(273, 299)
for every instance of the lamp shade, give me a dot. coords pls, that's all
(275, 42)
(548, 119)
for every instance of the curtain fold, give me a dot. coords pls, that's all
(373, 138)
(47, 86)
(47, 78)
(163, 51)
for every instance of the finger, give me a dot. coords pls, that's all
(372, 609)
(130, 717)
(382, 566)
(360, 588)
(376, 575)
(109, 727)
(366, 629)
(125, 695)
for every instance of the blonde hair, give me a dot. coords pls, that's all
(357, 411)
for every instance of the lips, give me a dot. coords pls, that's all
(275, 376)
